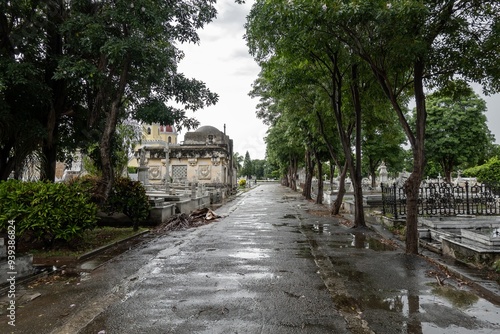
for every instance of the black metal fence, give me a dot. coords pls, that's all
(444, 199)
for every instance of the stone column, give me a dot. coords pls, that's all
(143, 169)
(193, 190)
(167, 166)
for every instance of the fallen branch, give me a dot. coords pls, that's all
(182, 221)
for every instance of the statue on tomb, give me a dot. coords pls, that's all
(382, 170)
(142, 157)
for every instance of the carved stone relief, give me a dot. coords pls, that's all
(204, 172)
(155, 172)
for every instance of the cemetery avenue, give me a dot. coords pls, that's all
(273, 263)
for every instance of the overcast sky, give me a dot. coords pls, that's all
(221, 60)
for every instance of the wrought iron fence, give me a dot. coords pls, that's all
(444, 199)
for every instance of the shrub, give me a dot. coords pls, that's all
(46, 211)
(128, 197)
(496, 266)
(489, 172)
(242, 183)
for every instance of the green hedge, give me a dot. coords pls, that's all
(48, 211)
(62, 211)
(488, 173)
(129, 197)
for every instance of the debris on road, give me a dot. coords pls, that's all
(183, 221)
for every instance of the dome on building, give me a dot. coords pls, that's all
(207, 129)
(206, 135)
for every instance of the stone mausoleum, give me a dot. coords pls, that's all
(204, 157)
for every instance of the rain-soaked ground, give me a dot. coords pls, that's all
(272, 265)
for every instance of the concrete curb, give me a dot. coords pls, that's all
(30, 278)
(96, 251)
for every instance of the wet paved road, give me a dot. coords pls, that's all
(270, 266)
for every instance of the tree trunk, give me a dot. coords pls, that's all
(373, 171)
(447, 166)
(373, 176)
(49, 161)
(319, 195)
(412, 185)
(337, 204)
(55, 13)
(292, 173)
(306, 191)
(359, 213)
(105, 148)
(108, 175)
(284, 182)
(6, 160)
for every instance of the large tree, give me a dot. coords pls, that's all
(247, 169)
(457, 134)
(26, 86)
(123, 55)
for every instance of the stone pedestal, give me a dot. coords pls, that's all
(143, 175)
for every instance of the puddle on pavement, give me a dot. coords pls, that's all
(280, 225)
(458, 298)
(351, 240)
(360, 240)
(433, 309)
(321, 228)
(443, 309)
(256, 253)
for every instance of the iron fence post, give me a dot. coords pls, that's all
(467, 196)
(383, 198)
(395, 202)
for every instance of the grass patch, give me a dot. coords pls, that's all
(89, 240)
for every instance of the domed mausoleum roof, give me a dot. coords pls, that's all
(207, 129)
(206, 135)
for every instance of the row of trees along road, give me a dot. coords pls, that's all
(71, 70)
(335, 72)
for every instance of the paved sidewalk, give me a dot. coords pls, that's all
(274, 264)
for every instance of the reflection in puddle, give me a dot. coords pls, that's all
(356, 240)
(393, 304)
(320, 228)
(458, 298)
(361, 240)
(250, 254)
(444, 309)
